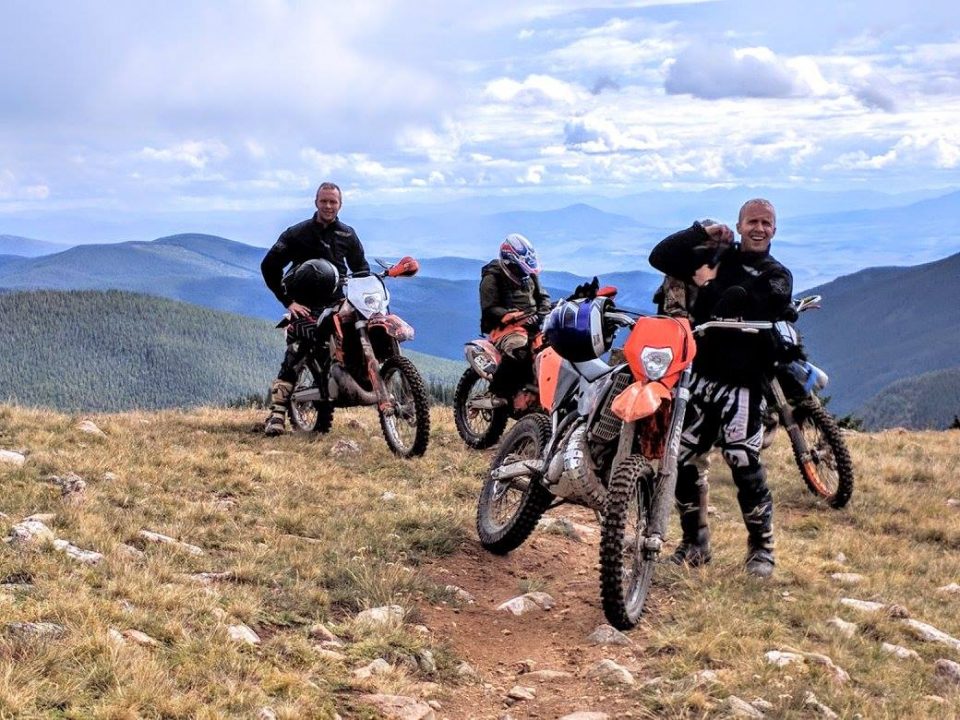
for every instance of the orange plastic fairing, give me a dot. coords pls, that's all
(661, 332)
(607, 291)
(499, 333)
(405, 267)
(639, 400)
(548, 372)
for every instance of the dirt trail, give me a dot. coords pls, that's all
(499, 645)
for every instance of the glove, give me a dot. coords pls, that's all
(586, 291)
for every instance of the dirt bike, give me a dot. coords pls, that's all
(357, 361)
(610, 443)
(479, 413)
(818, 445)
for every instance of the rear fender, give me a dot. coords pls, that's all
(483, 357)
(639, 400)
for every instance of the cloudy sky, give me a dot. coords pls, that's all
(223, 106)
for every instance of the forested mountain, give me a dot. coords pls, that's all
(105, 351)
(928, 401)
(882, 325)
(28, 247)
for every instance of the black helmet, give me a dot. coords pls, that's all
(312, 283)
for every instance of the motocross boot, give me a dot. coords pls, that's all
(760, 561)
(694, 548)
(279, 397)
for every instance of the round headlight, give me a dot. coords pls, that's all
(656, 361)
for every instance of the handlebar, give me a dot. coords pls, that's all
(746, 326)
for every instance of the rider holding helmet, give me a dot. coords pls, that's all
(320, 250)
(510, 293)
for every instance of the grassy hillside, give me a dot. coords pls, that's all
(929, 401)
(90, 350)
(296, 532)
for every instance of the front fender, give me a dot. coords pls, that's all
(395, 326)
(639, 400)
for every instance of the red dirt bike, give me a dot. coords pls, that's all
(359, 363)
(610, 443)
(480, 414)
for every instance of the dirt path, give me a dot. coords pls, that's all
(500, 645)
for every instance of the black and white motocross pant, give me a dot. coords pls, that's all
(730, 417)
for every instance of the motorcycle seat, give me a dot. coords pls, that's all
(593, 369)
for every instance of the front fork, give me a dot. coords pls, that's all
(384, 402)
(785, 410)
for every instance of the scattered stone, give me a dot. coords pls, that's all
(115, 636)
(460, 594)
(330, 654)
(547, 675)
(384, 615)
(847, 629)
(72, 486)
(399, 707)
(35, 630)
(320, 632)
(899, 651)
(848, 578)
(332, 644)
(41, 517)
(935, 699)
(840, 558)
(863, 605)
(30, 532)
(839, 674)
(565, 527)
(88, 557)
(345, 447)
(426, 662)
(953, 502)
(929, 632)
(898, 611)
(388, 496)
(586, 715)
(266, 713)
(947, 671)
(521, 692)
(742, 709)
(376, 667)
(762, 705)
(528, 602)
(355, 424)
(610, 672)
(810, 700)
(90, 427)
(110, 477)
(154, 537)
(705, 677)
(952, 588)
(11, 457)
(130, 552)
(608, 635)
(466, 670)
(782, 659)
(140, 638)
(243, 634)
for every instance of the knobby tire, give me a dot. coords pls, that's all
(496, 418)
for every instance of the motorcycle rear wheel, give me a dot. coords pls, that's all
(312, 416)
(407, 429)
(479, 429)
(626, 569)
(829, 474)
(508, 511)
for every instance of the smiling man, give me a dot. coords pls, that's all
(726, 404)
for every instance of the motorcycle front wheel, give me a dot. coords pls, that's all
(311, 416)
(626, 568)
(829, 472)
(508, 510)
(407, 428)
(480, 428)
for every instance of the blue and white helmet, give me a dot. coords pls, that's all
(574, 329)
(518, 259)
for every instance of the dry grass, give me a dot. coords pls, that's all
(307, 537)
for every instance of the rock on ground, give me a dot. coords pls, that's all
(30, 532)
(384, 615)
(947, 671)
(12, 458)
(399, 707)
(742, 709)
(90, 427)
(35, 630)
(155, 537)
(899, 651)
(527, 602)
(586, 715)
(608, 635)
(929, 632)
(243, 634)
(610, 672)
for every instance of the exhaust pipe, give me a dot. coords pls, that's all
(346, 391)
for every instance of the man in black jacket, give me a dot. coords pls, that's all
(726, 405)
(321, 237)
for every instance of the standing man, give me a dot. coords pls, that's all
(321, 237)
(726, 404)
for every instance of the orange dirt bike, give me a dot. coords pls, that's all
(609, 442)
(818, 445)
(480, 413)
(357, 361)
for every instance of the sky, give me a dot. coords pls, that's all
(178, 107)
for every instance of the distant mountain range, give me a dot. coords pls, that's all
(109, 351)
(27, 247)
(928, 401)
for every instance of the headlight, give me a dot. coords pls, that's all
(373, 302)
(656, 361)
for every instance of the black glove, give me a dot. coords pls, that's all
(586, 291)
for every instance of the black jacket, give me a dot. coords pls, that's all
(499, 295)
(727, 355)
(310, 240)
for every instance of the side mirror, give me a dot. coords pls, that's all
(404, 267)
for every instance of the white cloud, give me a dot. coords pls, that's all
(534, 90)
(924, 149)
(594, 134)
(194, 153)
(711, 72)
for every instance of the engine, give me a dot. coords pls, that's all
(571, 474)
